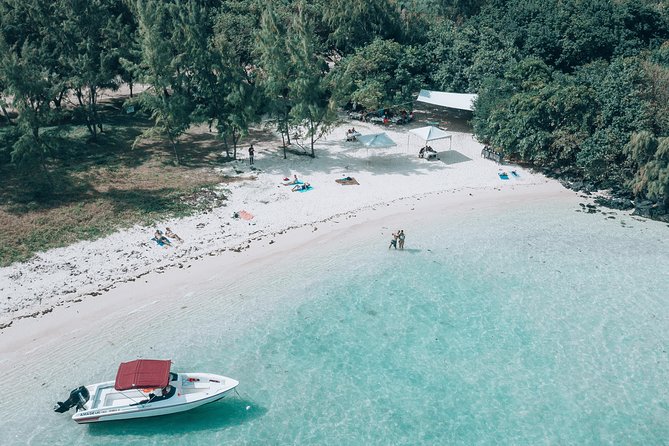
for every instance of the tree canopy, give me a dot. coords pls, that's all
(577, 86)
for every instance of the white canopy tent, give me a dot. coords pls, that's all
(431, 133)
(459, 101)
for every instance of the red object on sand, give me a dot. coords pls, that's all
(245, 215)
(143, 373)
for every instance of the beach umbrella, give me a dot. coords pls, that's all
(376, 141)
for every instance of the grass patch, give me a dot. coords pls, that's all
(97, 187)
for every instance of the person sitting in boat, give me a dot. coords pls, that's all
(162, 394)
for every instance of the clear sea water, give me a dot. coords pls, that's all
(530, 325)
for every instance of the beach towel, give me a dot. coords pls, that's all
(159, 242)
(503, 175)
(245, 215)
(305, 190)
(348, 181)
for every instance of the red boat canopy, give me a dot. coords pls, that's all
(143, 373)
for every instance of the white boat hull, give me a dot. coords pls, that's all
(192, 390)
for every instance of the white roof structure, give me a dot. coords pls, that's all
(430, 133)
(378, 140)
(460, 101)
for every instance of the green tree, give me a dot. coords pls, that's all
(651, 154)
(354, 23)
(535, 114)
(274, 71)
(29, 84)
(622, 109)
(89, 30)
(168, 98)
(229, 92)
(312, 107)
(379, 75)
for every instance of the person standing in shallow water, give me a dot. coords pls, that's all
(393, 241)
(400, 238)
(251, 152)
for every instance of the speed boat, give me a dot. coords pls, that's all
(145, 388)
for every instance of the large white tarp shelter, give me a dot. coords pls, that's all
(460, 101)
(376, 141)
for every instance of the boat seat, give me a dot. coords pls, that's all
(195, 385)
(121, 402)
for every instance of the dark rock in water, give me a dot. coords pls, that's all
(615, 203)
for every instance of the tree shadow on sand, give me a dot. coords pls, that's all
(212, 417)
(353, 160)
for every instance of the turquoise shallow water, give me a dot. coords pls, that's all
(523, 326)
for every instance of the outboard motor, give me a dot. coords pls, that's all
(78, 397)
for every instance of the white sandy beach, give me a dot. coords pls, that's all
(55, 285)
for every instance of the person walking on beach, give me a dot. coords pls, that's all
(393, 241)
(400, 238)
(251, 152)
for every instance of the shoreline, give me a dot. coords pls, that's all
(168, 286)
(391, 179)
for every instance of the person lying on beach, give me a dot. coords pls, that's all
(169, 233)
(298, 187)
(161, 239)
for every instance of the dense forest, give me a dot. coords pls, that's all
(576, 87)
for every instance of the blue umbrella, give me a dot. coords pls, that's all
(376, 141)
